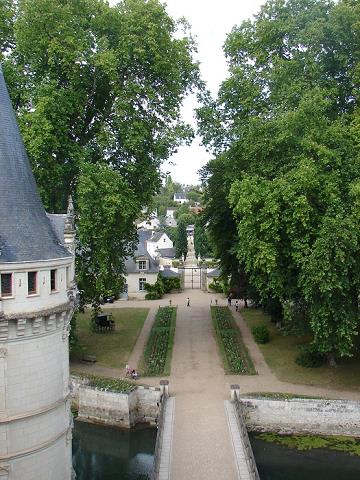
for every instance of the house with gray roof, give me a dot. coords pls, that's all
(180, 198)
(148, 260)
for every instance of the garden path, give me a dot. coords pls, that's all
(201, 443)
(265, 380)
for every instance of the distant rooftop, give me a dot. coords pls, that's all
(180, 196)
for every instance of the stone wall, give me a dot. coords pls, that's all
(123, 410)
(324, 417)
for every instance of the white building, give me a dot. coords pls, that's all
(170, 220)
(158, 242)
(37, 296)
(140, 269)
(151, 222)
(153, 250)
(180, 198)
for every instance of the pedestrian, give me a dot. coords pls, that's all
(229, 299)
(188, 302)
(236, 306)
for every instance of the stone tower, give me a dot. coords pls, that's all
(36, 305)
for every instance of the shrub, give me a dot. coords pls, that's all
(161, 286)
(308, 358)
(217, 287)
(172, 283)
(261, 334)
(152, 296)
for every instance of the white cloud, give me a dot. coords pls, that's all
(210, 22)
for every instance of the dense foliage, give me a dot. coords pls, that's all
(283, 193)
(181, 244)
(97, 90)
(202, 242)
(158, 349)
(161, 286)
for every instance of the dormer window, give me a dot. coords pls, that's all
(32, 283)
(142, 264)
(6, 285)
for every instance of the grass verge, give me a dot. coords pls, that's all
(235, 357)
(111, 384)
(281, 351)
(112, 349)
(157, 354)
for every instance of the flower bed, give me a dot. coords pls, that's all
(235, 356)
(157, 354)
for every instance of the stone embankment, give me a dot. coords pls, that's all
(124, 410)
(303, 415)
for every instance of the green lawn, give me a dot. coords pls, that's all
(112, 349)
(280, 355)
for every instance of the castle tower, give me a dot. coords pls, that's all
(36, 305)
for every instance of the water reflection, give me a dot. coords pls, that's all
(277, 462)
(105, 453)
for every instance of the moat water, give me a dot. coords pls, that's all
(276, 462)
(105, 453)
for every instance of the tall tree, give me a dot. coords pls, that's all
(97, 85)
(181, 240)
(284, 126)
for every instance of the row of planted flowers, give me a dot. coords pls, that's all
(235, 356)
(158, 349)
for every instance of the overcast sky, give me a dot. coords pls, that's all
(210, 21)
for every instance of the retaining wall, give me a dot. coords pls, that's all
(123, 410)
(321, 417)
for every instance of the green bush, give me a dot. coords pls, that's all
(161, 286)
(217, 287)
(172, 283)
(261, 334)
(152, 296)
(308, 358)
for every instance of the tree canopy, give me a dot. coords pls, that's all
(97, 90)
(283, 192)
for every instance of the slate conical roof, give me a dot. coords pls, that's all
(26, 233)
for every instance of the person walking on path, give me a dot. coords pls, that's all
(229, 299)
(188, 302)
(236, 306)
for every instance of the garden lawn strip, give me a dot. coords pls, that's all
(233, 352)
(158, 349)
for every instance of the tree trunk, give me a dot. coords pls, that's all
(331, 359)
